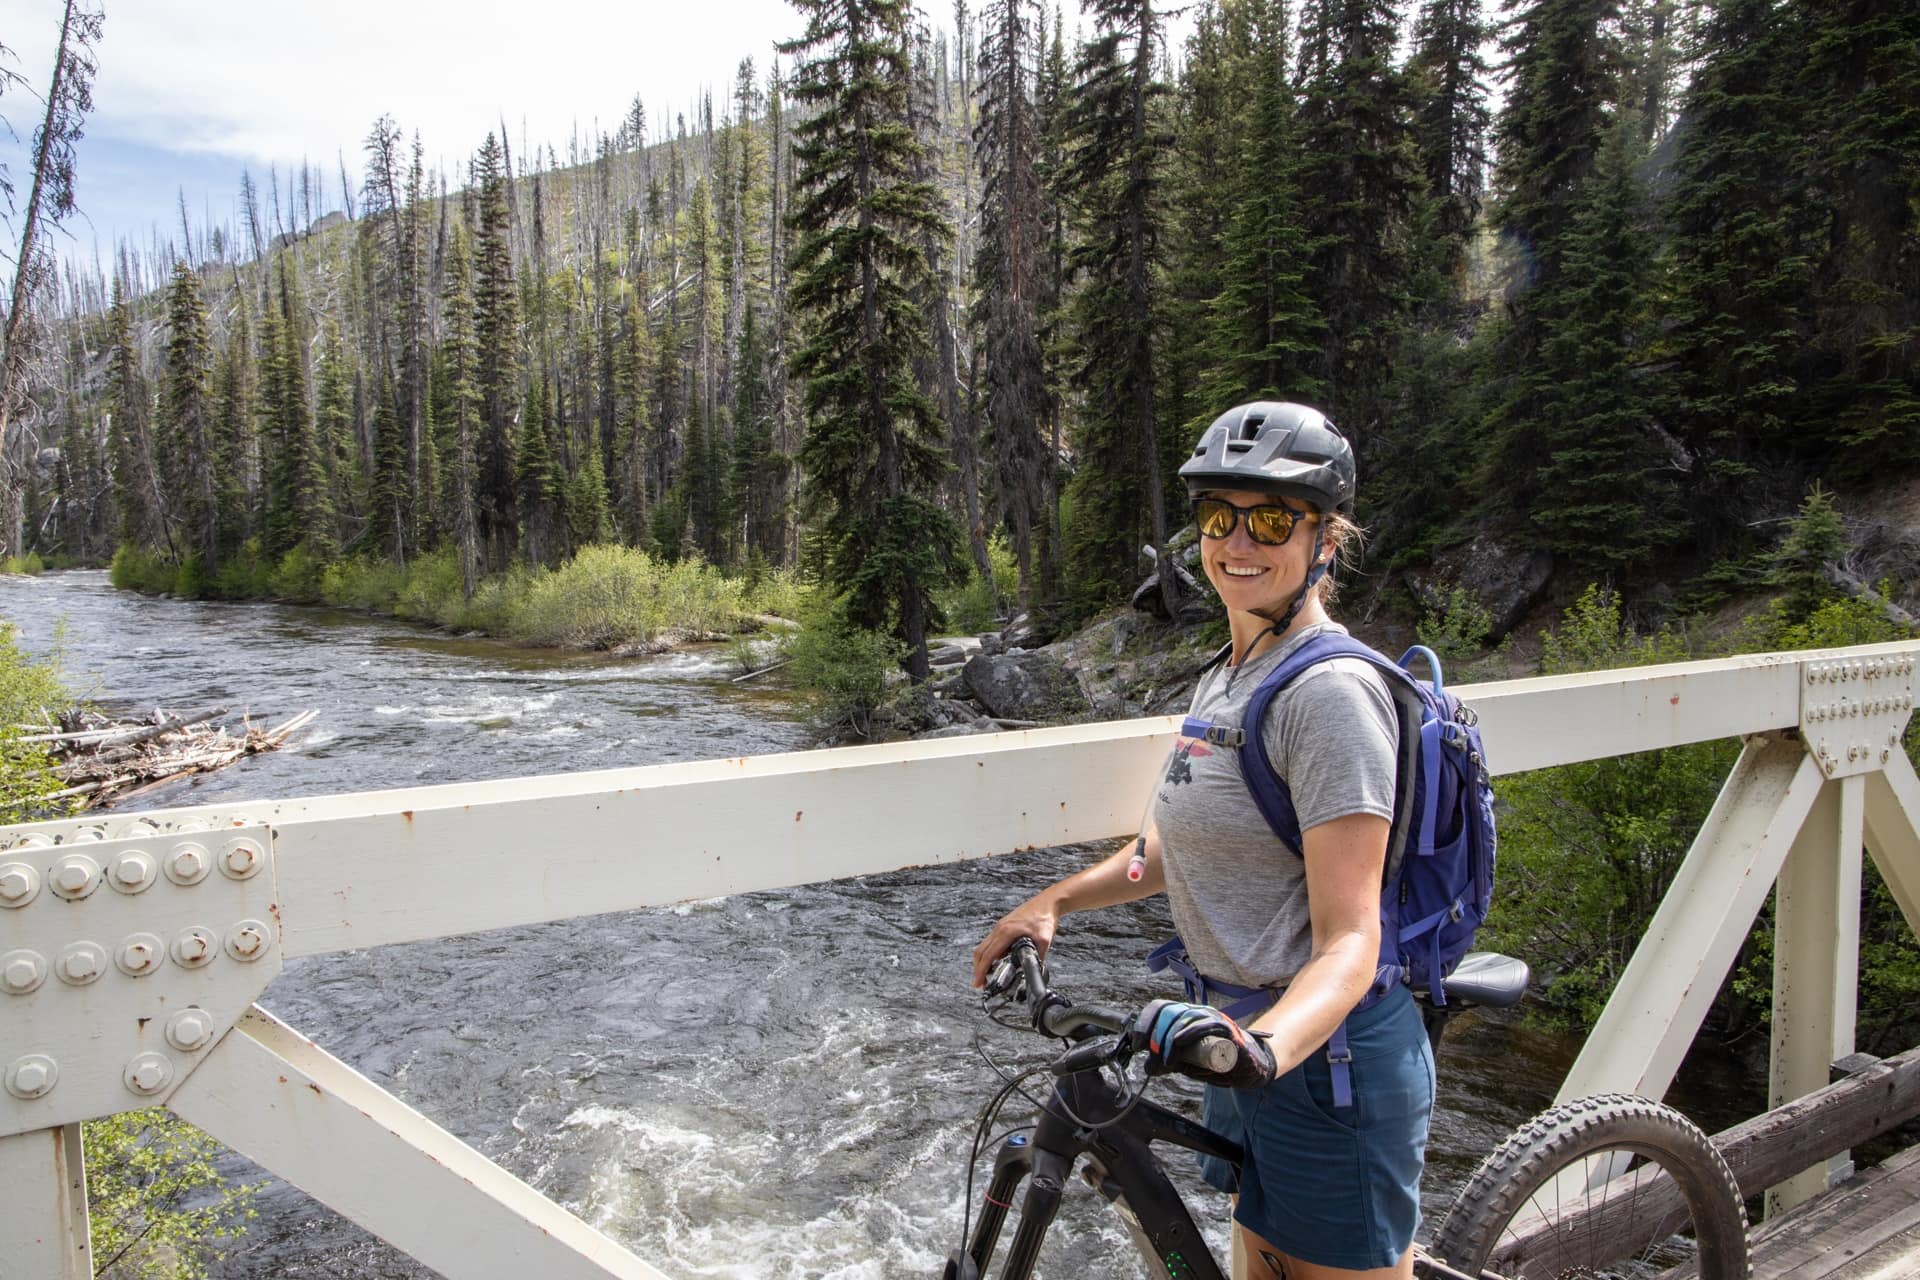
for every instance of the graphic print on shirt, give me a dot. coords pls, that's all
(1179, 767)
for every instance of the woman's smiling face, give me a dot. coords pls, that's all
(1255, 577)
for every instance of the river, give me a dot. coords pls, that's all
(776, 1084)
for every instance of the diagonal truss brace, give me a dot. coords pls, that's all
(1661, 998)
(274, 1095)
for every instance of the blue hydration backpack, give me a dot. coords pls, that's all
(1430, 910)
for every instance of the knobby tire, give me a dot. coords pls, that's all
(1479, 1236)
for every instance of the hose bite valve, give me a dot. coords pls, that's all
(1137, 864)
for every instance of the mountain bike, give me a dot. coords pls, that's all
(1606, 1188)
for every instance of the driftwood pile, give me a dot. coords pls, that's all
(103, 761)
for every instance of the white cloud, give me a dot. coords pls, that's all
(272, 81)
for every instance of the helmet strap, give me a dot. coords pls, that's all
(1280, 624)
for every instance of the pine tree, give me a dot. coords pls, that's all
(299, 502)
(1118, 147)
(1565, 75)
(237, 476)
(460, 356)
(387, 523)
(1264, 334)
(1607, 482)
(496, 360)
(1743, 247)
(872, 449)
(136, 478)
(1362, 169)
(187, 428)
(536, 486)
(1008, 267)
(1862, 89)
(586, 500)
(1448, 74)
(632, 423)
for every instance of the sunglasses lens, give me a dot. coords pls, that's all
(1270, 525)
(1214, 518)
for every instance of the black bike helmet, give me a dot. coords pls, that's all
(1277, 447)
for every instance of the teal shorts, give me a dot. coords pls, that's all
(1336, 1186)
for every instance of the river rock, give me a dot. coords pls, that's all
(1032, 685)
(1506, 578)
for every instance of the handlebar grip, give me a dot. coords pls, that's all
(1216, 1054)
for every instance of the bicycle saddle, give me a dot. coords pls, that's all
(1487, 979)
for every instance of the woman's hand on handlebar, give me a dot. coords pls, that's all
(1165, 1029)
(1036, 918)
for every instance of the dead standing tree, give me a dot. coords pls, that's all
(50, 200)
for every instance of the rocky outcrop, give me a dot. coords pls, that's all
(1032, 685)
(1507, 579)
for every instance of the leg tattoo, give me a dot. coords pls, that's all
(1276, 1266)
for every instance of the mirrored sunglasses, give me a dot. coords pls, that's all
(1269, 524)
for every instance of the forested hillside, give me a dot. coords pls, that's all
(908, 290)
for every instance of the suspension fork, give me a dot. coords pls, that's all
(1011, 1163)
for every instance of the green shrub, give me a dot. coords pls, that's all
(245, 575)
(372, 585)
(148, 572)
(977, 605)
(610, 595)
(31, 692)
(156, 1204)
(842, 669)
(433, 590)
(780, 592)
(297, 576)
(30, 564)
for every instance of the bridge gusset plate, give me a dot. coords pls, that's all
(274, 1095)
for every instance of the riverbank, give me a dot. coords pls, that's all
(606, 599)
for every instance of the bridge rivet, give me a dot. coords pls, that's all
(241, 858)
(247, 940)
(188, 863)
(81, 962)
(32, 840)
(139, 955)
(87, 835)
(32, 1076)
(148, 1073)
(19, 884)
(193, 947)
(133, 871)
(22, 972)
(189, 1029)
(75, 876)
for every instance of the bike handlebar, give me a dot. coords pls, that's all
(1055, 1015)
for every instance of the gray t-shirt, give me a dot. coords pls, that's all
(1239, 896)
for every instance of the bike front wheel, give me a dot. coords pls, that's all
(1613, 1187)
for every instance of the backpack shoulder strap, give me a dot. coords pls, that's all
(1270, 794)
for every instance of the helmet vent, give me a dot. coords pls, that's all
(1250, 425)
(1239, 446)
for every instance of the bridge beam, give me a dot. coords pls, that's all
(1892, 820)
(44, 1229)
(270, 1093)
(1657, 1006)
(1816, 957)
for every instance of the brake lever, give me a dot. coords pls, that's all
(1090, 1055)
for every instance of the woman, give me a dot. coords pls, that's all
(1326, 1190)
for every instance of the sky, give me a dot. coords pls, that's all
(191, 92)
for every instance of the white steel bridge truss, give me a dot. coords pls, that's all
(133, 948)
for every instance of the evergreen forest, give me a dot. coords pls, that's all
(1613, 279)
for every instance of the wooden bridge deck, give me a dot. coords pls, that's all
(1867, 1228)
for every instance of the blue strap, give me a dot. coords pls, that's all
(1430, 769)
(1340, 1058)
